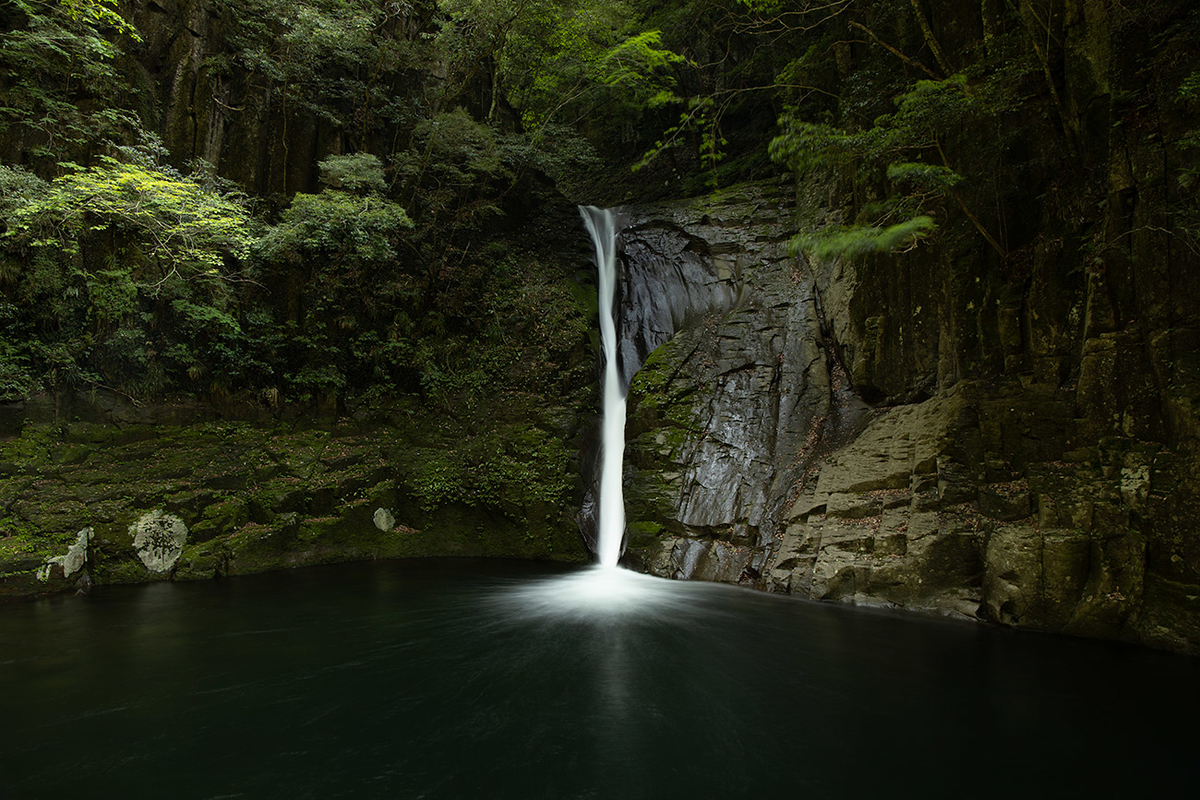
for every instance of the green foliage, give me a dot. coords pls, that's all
(118, 271)
(851, 241)
(337, 227)
(557, 60)
(329, 59)
(890, 153)
(701, 117)
(925, 115)
(549, 62)
(510, 469)
(333, 261)
(361, 172)
(57, 78)
(100, 13)
(739, 66)
(558, 151)
(451, 152)
(641, 66)
(17, 379)
(18, 187)
(1189, 89)
(202, 317)
(923, 177)
(568, 67)
(123, 272)
(808, 146)
(185, 228)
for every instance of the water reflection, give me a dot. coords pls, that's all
(469, 679)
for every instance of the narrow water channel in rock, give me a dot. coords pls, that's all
(470, 679)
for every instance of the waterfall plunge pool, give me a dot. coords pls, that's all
(494, 679)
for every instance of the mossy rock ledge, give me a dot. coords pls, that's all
(193, 502)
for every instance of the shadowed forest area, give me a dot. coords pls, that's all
(315, 202)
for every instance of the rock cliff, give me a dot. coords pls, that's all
(840, 434)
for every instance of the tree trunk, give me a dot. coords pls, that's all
(930, 40)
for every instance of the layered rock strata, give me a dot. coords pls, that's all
(784, 442)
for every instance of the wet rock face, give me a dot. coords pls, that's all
(730, 411)
(753, 456)
(671, 280)
(910, 515)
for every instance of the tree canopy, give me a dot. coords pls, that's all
(318, 197)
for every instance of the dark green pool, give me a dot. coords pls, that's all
(470, 679)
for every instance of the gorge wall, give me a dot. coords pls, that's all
(925, 434)
(999, 425)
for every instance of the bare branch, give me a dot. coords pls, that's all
(894, 51)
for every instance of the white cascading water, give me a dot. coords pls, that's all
(611, 523)
(604, 592)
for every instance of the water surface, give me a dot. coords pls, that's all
(474, 679)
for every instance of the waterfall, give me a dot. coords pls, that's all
(611, 524)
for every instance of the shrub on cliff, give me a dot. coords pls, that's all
(121, 272)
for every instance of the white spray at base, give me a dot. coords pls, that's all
(611, 522)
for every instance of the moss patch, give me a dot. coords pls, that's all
(495, 480)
